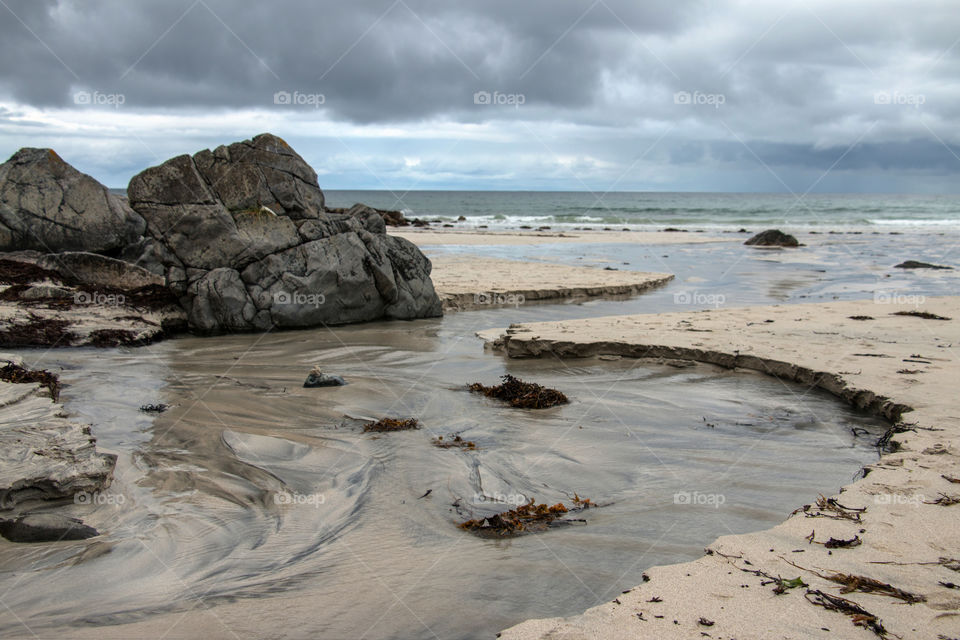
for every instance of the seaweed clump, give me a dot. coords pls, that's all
(384, 425)
(524, 395)
(454, 443)
(926, 315)
(17, 374)
(527, 518)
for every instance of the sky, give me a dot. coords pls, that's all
(606, 95)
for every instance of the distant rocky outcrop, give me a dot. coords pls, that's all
(390, 217)
(241, 236)
(772, 238)
(913, 264)
(47, 205)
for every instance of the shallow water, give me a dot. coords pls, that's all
(204, 485)
(256, 491)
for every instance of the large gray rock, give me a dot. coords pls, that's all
(47, 205)
(242, 237)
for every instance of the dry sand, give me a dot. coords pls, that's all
(432, 237)
(466, 282)
(887, 364)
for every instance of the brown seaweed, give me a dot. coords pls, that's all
(386, 425)
(858, 615)
(17, 374)
(830, 508)
(527, 518)
(517, 393)
(456, 442)
(926, 315)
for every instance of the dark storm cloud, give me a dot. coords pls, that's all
(789, 86)
(387, 60)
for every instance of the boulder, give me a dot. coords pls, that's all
(45, 527)
(772, 238)
(242, 236)
(47, 205)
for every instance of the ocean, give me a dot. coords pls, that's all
(650, 210)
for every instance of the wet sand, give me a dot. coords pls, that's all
(883, 362)
(254, 508)
(474, 238)
(467, 282)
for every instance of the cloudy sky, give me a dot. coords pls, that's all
(604, 95)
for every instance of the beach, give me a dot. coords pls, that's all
(471, 320)
(891, 363)
(723, 374)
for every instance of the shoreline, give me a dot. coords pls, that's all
(904, 533)
(484, 237)
(466, 282)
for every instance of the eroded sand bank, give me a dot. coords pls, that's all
(466, 282)
(885, 363)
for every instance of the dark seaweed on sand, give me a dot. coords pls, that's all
(392, 424)
(456, 442)
(527, 518)
(926, 315)
(17, 374)
(525, 395)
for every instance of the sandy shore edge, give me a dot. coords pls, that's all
(888, 364)
(483, 237)
(470, 282)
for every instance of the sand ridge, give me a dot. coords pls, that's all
(469, 282)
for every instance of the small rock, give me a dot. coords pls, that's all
(317, 378)
(773, 238)
(913, 264)
(45, 527)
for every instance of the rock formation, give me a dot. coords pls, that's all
(242, 238)
(47, 205)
